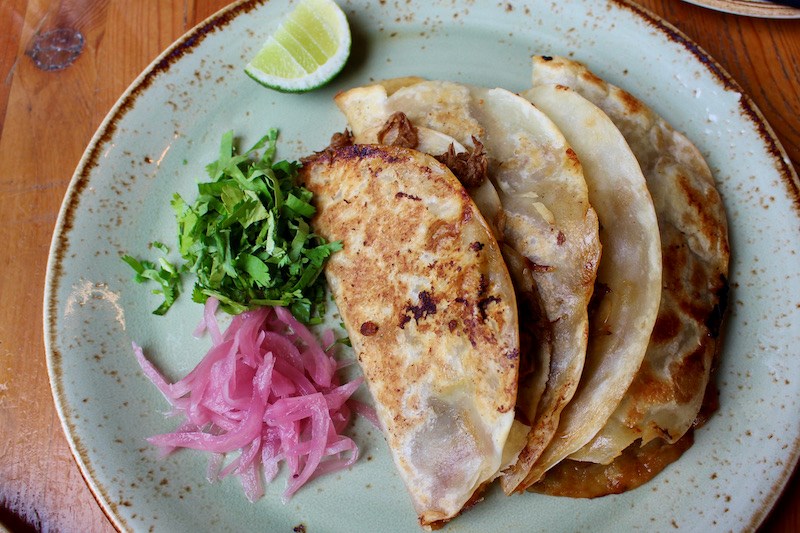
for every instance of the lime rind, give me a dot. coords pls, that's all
(313, 81)
(308, 49)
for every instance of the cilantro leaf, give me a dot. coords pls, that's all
(246, 237)
(165, 274)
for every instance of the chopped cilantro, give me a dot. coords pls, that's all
(165, 274)
(247, 236)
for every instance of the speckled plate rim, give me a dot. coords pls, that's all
(190, 40)
(60, 241)
(749, 8)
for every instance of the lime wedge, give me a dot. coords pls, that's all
(308, 49)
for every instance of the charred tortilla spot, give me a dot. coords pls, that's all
(470, 326)
(426, 306)
(699, 201)
(561, 238)
(689, 373)
(402, 194)
(466, 214)
(483, 303)
(648, 385)
(572, 157)
(697, 311)
(534, 267)
(667, 327)
(483, 285)
(476, 246)
(366, 151)
(369, 328)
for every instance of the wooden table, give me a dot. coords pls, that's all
(46, 121)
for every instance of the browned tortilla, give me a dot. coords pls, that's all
(428, 303)
(537, 199)
(667, 392)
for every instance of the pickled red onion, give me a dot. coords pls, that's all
(267, 389)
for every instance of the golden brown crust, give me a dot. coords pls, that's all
(431, 313)
(666, 395)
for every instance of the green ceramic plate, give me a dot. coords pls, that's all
(751, 8)
(166, 127)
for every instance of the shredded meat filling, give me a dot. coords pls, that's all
(340, 139)
(471, 168)
(399, 131)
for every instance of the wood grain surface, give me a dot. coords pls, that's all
(48, 118)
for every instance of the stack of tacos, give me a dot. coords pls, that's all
(534, 283)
